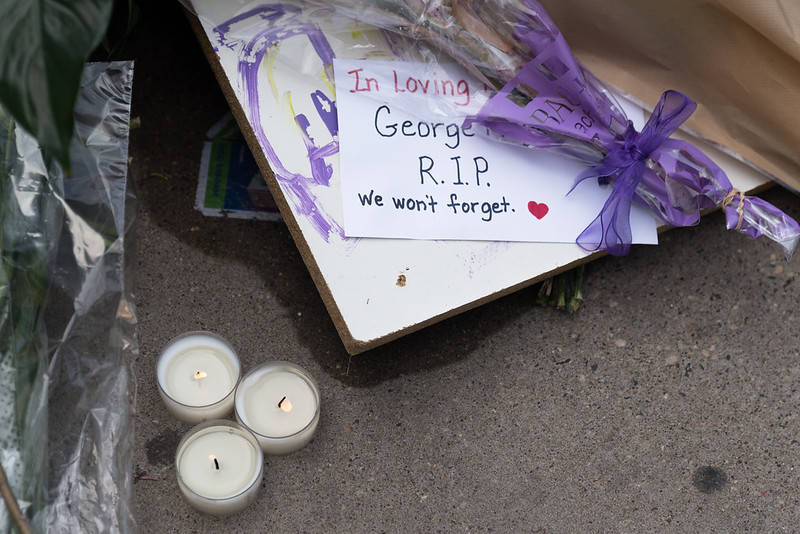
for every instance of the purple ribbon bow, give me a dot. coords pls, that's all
(626, 165)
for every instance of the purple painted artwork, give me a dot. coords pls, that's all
(276, 24)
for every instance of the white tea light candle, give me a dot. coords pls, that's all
(197, 375)
(279, 403)
(220, 465)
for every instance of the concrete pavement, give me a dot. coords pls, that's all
(668, 403)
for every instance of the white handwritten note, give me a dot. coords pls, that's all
(410, 169)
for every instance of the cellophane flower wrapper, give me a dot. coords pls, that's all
(68, 332)
(544, 98)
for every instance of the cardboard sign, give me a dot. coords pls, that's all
(410, 168)
(281, 102)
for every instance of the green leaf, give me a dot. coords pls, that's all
(43, 47)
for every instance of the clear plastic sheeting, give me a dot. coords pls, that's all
(68, 449)
(539, 96)
(546, 99)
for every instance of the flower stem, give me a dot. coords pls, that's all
(563, 291)
(12, 505)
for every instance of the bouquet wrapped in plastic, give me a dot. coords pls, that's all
(544, 98)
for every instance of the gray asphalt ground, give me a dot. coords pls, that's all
(668, 403)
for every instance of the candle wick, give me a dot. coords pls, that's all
(281, 402)
(216, 464)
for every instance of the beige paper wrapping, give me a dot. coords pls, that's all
(738, 59)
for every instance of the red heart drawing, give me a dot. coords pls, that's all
(537, 210)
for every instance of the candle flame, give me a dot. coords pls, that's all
(200, 374)
(285, 405)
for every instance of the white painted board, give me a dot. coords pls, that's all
(270, 61)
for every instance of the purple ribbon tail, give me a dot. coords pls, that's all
(611, 229)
